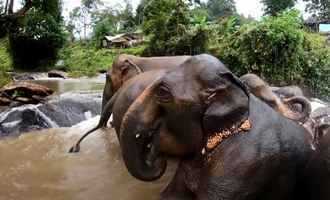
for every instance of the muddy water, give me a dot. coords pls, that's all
(37, 166)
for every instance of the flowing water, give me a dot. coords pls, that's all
(36, 166)
(68, 85)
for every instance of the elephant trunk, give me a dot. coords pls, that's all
(140, 139)
(306, 108)
(107, 91)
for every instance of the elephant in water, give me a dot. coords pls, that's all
(230, 144)
(285, 106)
(120, 102)
(124, 68)
(127, 66)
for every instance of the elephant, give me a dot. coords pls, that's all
(124, 68)
(288, 91)
(285, 106)
(230, 144)
(127, 66)
(120, 102)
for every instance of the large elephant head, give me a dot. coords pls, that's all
(176, 114)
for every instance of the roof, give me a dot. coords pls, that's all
(123, 37)
(112, 38)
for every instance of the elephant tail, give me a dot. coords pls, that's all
(305, 112)
(105, 115)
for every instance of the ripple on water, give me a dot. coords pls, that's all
(37, 166)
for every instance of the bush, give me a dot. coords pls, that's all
(278, 50)
(85, 59)
(172, 30)
(38, 37)
(317, 65)
(5, 62)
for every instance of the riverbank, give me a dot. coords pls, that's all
(77, 59)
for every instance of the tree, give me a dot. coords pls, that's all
(319, 9)
(221, 8)
(105, 23)
(81, 18)
(127, 17)
(168, 23)
(36, 40)
(9, 18)
(273, 7)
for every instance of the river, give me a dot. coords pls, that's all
(37, 165)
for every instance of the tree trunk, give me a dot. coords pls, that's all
(11, 7)
(6, 7)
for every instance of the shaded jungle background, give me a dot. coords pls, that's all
(281, 47)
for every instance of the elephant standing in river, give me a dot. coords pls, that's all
(126, 66)
(231, 145)
(120, 102)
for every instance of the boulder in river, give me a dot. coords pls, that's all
(65, 110)
(23, 92)
(57, 74)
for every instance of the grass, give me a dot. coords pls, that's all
(85, 60)
(5, 62)
(79, 59)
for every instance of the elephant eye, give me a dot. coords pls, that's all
(163, 93)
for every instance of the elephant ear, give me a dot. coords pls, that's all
(227, 105)
(130, 65)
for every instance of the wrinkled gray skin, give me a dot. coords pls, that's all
(127, 66)
(288, 91)
(320, 123)
(285, 106)
(120, 102)
(199, 98)
(124, 68)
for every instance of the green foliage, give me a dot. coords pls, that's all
(317, 64)
(106, 24)
(172, 30)
(81, 59)
(272, 7)
(277, 49)
(319, 8)
(127, 18)
(36, 41)
(5, 62)
(221, 8)
(110, 22)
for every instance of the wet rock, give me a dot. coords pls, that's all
(4, 101)
(23, 77)
(26, 88)
(65, 110)
(57, 74)
(23, 92)
(102, 71)
(26, 76)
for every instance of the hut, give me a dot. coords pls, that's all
(123, 40)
